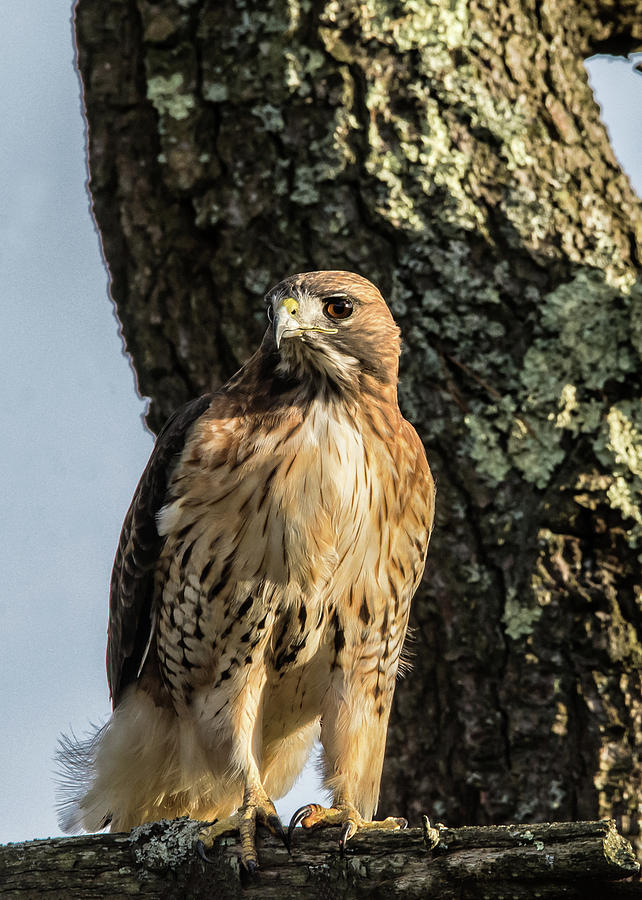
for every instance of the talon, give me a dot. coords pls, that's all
(346, 816)
(276, 828)
(302, 813)
(347, 832)
(200, 849)
(394, 823)
(257, 808)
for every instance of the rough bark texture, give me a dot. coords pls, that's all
(582, 860)
(452, 152)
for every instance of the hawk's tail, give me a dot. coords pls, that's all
(76, 763)
(143, 765)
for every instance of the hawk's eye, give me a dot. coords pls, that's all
(337, 308)
(270, 313)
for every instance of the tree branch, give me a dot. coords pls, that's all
(575, 860)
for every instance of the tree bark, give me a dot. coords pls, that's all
(452, 152)
(582, 860)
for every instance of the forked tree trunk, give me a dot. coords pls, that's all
(452, 152)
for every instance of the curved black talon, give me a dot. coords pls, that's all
(298, 816)
(252, 866)
(200, 849)
(344, 837)
(276, 827)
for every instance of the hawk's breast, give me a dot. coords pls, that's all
(264, 541)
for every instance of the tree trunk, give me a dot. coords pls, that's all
(583, 860)
(452, 152)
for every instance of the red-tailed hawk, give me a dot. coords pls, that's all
(261, 588)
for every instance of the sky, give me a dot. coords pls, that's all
(73, 441)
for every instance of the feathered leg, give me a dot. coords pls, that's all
(241, 716)
(353, 734)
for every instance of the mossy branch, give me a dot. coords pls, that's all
(575, 860)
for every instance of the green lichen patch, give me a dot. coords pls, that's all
(519, 617)
(585, 342)
(168, 98)
(619, 446)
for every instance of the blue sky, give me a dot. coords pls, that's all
(73, 443)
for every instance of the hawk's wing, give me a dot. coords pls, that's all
(132, 578)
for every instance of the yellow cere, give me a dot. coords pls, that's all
(291, 305)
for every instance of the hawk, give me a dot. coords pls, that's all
(262, 584)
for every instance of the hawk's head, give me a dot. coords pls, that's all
(335, 324)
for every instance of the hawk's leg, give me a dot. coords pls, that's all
(344, 814)
(257, 808)
(354, 721)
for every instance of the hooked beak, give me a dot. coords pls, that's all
(287, 322)
(285, 319)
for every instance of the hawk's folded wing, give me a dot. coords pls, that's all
(132, 579)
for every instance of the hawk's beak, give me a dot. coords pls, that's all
(285, 319)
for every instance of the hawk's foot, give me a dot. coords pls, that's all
(257, 809)
(345, 815)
